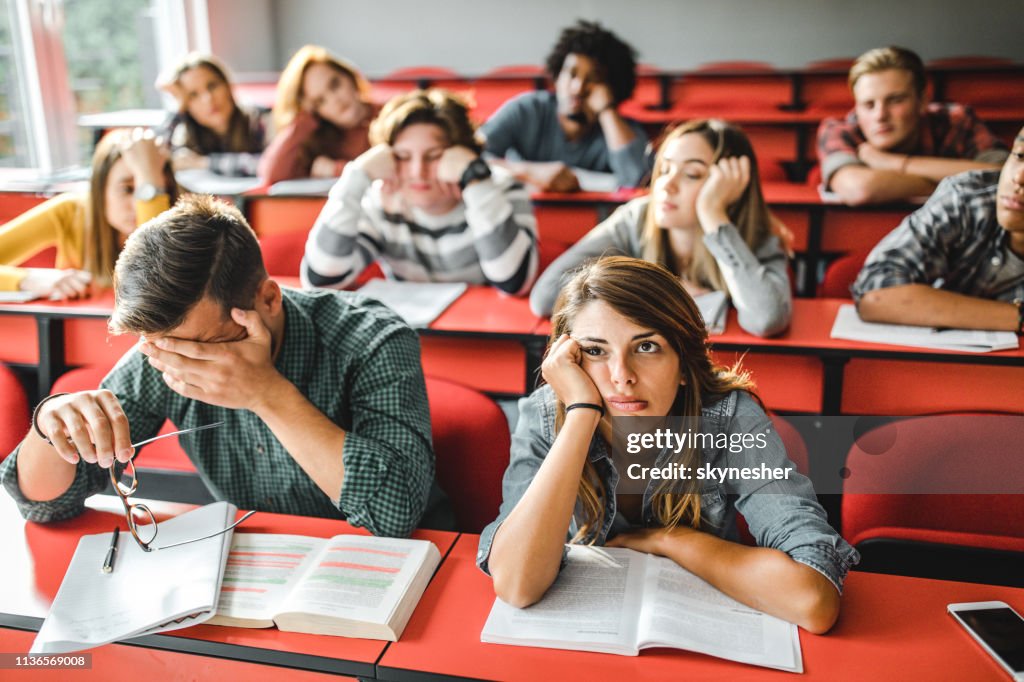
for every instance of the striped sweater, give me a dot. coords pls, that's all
(489, 238)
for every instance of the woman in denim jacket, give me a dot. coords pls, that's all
(628, 341)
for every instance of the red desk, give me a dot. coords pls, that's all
(54, 335)
(37, 556)
(483, 340)
(804, 370)
(890, 628)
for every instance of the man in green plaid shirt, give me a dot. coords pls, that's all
(321, 394)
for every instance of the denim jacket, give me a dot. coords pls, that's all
(781, 514)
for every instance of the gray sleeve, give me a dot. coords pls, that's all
(531, 442)
(501, 130)
(500, 216)
(628, 162)
(919, 249)
(339, 245)
(125, 381)
(784, 514)
(758, 284)
(617, 235)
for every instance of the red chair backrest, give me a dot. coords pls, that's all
(471, 442)
(282, 252)
(981, 456)
(15, 418)
(840, 275)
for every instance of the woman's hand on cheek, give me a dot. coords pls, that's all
(453, 164)
(378, 162)
(726, 183)
(563, 369)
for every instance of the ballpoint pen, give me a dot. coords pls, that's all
(108, 562)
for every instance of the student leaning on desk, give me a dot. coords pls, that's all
(970, 237)
(322, 394)
(131, 182)
(626, 341)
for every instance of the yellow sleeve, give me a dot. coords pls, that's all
(56, 222)
(146, 210)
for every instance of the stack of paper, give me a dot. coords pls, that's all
(147, 592)
(419, 303)
(848, 325)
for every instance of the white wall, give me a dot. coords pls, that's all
(475, 36)
(242, 32)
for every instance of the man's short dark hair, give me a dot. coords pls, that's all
(616, 58)
(202, 247)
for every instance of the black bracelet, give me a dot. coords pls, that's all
(35, 413)
(589, 406)
(1019, 302)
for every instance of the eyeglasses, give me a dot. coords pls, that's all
(141, 522)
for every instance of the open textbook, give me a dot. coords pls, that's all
(618, 601)
(348, 585)
(147, 592)
(848, 325)
(419, 303)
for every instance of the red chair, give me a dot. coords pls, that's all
(731, 90)
(15, 417)
(824, 87)
(282, 253)
(975, 455)
(403, 80)
(164, 454)
(992, 85)
(497, 86)
(840, 275)
(471, 443)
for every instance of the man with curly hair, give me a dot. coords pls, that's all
(543, 135)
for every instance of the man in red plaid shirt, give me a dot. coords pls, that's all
(894, 145)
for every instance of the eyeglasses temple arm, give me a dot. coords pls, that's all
(211, 535)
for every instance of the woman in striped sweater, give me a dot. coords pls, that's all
(425, 204)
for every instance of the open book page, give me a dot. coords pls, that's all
(592, 606)
(206, 181)
(848, 325)
(680, 610)
(262, 570)
(419, 303)
(17, 296)
(595, 181)
(358, 578)
(302, 186)
(147, 592)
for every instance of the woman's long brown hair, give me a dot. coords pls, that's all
(653, 298)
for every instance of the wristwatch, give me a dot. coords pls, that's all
(476, 170)
(1019, 302)
(147, 191)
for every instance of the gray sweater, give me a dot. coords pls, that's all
(757, 281)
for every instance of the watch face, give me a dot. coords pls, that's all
(145, 192)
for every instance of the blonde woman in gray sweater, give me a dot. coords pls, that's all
(705, 220)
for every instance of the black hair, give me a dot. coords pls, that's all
(616, 58)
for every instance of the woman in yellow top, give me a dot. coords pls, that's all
(131, 183)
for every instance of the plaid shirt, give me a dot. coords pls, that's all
(954, 239)
(947, 130)
(356, 361)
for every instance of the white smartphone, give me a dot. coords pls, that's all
(998, 629)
